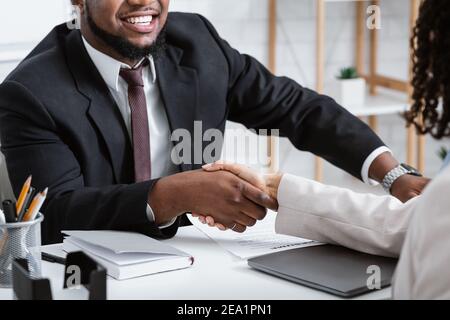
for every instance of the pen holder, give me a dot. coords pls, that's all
(21, 240)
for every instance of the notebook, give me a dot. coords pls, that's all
(127, 255)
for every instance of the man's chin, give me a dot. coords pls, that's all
(142, 44)
(140, 40)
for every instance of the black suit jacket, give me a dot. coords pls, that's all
(59, 122)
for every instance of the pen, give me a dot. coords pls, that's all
(9, 209)
(23, 194)
(26, 204)
(4, 239)
(52, 258)
(3, 242)
(2, 217)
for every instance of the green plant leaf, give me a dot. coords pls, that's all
(348, 73)
(442, 153)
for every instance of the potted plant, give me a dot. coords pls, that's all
(442, 153)
(350, 88)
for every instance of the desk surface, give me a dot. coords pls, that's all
(216, 274)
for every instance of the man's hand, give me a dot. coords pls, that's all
(405, 187)
(268, 183)
(229, 200)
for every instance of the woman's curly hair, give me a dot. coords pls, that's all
(431, 70)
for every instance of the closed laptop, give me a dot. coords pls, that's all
(333, 269)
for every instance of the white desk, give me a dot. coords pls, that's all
(216, 274)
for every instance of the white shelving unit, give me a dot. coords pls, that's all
(378, 102)
(384, 103)
(12, 55)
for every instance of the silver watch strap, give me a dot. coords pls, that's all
(392, 176)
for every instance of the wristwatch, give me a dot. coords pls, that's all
(396, 173)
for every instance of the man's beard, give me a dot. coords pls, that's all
(124, 47)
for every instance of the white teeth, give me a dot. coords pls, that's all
(140, 20)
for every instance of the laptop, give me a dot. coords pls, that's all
(333, 269)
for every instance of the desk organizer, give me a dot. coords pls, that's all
(21, 240)
(92, 276)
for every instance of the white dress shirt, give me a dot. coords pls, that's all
(158, 123)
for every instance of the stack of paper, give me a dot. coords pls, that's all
(258, 240)
(127, 255)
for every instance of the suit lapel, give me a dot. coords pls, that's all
(102, 108)
(179, 90)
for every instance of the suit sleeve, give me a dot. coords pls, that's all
(312, 122)
(31, 145)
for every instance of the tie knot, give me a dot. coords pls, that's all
(134, 76)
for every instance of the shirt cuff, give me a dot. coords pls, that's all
(151, 217)
(369, 160)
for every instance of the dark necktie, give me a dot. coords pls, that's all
(139, 122)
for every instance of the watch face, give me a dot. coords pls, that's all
(412, 170)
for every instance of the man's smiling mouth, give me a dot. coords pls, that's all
(142, 22)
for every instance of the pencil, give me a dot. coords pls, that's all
(26, 203)
(35, 206)
(23, 194)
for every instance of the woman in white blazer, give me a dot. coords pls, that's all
(419, 230)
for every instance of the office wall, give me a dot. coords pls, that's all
(244, 24)
(22, 24)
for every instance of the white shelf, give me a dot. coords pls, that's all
(12, 55)
(14, 52)
(343, 0)
(384, 103)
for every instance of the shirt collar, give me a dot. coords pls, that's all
(109, 67)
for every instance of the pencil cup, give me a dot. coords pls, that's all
(20, 240)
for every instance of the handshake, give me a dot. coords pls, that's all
(232, 196)
(223, 195)
(255, 193)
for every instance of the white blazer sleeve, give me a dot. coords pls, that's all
(364, 222)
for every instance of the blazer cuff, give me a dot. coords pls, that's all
(291, 187)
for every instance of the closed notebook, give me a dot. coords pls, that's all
(127, 255)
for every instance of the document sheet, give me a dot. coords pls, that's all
(258, 240)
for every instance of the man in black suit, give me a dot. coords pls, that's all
(89, 114)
